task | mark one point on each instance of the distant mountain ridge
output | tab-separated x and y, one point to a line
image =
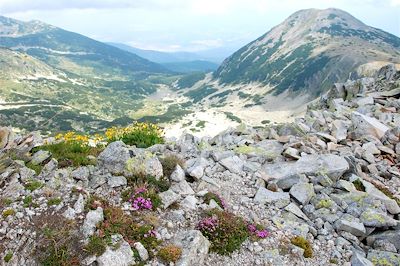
64	49
183	62
308	52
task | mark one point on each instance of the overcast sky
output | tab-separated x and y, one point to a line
187	25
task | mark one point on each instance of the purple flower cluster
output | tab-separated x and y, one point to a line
141	203
208	224
259	233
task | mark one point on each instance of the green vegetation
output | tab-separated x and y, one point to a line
33	184
225	231
117	222
54	201
173	113
8	256
169	253
189	80
232	117
59	241
359	185
169	163
36	168
199	94
8	212
28	201
201	124
213	196
141	135
70	153
96	245
4	202
304	244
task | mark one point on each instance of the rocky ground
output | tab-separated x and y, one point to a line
331	177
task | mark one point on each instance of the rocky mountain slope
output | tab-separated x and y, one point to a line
323	190
308	52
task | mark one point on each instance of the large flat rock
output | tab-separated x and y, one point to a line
328	164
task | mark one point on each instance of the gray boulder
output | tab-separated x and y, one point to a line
40	156
328	164
117	181
391	236
383	258
168	198
233	164
302	192
121	256
114	157
365	125
279	199
350	224
178	174
194	247
358	260
143	162
373	218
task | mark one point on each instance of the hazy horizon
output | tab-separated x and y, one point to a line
190	25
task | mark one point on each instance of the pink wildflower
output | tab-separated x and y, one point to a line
141	203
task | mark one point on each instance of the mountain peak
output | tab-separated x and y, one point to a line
10	27
308	52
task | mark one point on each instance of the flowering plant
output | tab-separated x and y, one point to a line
144	199
257	231
225	231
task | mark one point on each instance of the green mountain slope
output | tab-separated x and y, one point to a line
70	51
308	52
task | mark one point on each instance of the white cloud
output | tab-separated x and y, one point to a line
395	3
171	25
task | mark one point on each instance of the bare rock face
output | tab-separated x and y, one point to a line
194	247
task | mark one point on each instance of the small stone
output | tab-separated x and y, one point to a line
91	220
143	254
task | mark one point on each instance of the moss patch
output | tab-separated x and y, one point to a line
304	244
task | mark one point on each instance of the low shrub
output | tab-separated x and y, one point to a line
36	168
169	163
8	256
225	231
33	184
8	212
169	253
141	135
217	198
96	245
358	185
303	243
54	201
117	222
59	242
71	153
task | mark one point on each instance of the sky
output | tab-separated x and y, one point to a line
188	25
